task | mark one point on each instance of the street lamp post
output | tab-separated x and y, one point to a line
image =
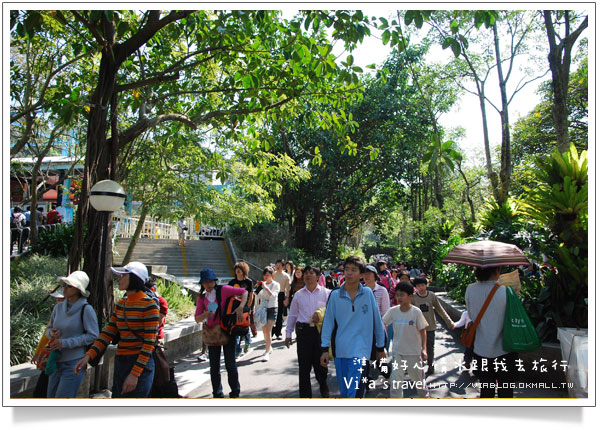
106	197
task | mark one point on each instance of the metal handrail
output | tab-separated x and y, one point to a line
231	247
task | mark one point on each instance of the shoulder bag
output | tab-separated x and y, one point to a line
161	365
468	334
215	336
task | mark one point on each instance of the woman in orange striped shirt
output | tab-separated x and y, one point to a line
135	320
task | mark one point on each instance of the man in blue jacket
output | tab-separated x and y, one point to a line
354	310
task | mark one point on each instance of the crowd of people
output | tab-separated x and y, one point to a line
365	317
20	223
356	314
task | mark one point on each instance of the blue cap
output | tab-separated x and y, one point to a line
207	275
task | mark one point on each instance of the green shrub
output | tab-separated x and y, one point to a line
559	203
55	242
180	305
32	278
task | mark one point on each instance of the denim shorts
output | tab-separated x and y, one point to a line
271	314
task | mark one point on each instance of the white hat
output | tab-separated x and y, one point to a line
77	279
135	267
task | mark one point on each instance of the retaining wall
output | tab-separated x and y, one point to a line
181	338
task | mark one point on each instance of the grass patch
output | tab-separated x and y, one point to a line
32	278
181	304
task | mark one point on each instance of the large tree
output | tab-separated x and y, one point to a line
481	52
218	69
389	129
560	65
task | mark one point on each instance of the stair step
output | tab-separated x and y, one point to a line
199	254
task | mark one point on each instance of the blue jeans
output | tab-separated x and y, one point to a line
349	372
123	366
214	357
238	342
64	383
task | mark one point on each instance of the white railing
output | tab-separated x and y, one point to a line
124	226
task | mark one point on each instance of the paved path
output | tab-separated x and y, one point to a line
278	378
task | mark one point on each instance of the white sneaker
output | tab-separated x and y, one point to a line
265	356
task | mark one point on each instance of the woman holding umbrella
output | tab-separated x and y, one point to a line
492	364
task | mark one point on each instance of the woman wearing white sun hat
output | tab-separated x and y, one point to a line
135	320
73	326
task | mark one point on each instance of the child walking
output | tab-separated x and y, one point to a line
409	347
428	303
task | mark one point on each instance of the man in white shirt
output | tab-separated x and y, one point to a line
306	302
181	227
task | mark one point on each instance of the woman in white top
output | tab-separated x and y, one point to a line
268	294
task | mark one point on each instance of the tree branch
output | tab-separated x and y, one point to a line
43	91
90	27
145	123
146	82
519	88
148	31
221	113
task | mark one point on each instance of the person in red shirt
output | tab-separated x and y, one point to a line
53	216
162	314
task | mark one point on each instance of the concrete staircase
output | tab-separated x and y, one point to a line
186	262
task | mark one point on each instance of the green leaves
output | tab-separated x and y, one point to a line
385	37
560	201
487	17
454	44
442	155
416	16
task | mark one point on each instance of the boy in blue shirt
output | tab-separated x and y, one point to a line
353	309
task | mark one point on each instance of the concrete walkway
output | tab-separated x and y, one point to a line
278	378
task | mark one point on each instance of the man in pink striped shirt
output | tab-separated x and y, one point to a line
304	304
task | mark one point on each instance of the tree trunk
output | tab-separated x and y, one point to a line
33	219
300	236
493	176
505	157
560	68
468	193
98	166
437	187
334	241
